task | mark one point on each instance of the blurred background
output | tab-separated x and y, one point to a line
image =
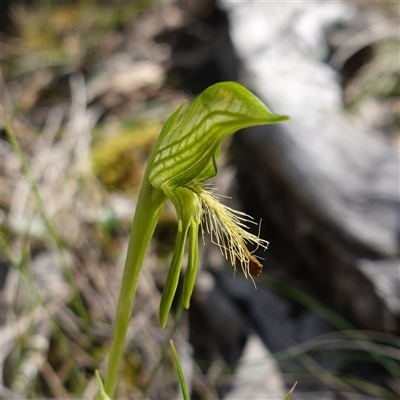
86	88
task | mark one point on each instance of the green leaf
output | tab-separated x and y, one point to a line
185	152
101	394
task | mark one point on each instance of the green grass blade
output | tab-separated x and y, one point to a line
101	394
290	392
179	369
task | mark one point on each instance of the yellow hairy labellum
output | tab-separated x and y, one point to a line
228	229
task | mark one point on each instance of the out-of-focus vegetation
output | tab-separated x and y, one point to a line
371	71
379	77
84	88
118	160
86	146
377	80
73	36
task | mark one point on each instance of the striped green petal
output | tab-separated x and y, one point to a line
188	151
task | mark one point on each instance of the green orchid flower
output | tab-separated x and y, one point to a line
183	159
186	157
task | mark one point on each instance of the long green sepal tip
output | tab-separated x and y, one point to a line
193	261
173	274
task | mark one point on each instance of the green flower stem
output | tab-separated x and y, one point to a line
149	206
150	203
